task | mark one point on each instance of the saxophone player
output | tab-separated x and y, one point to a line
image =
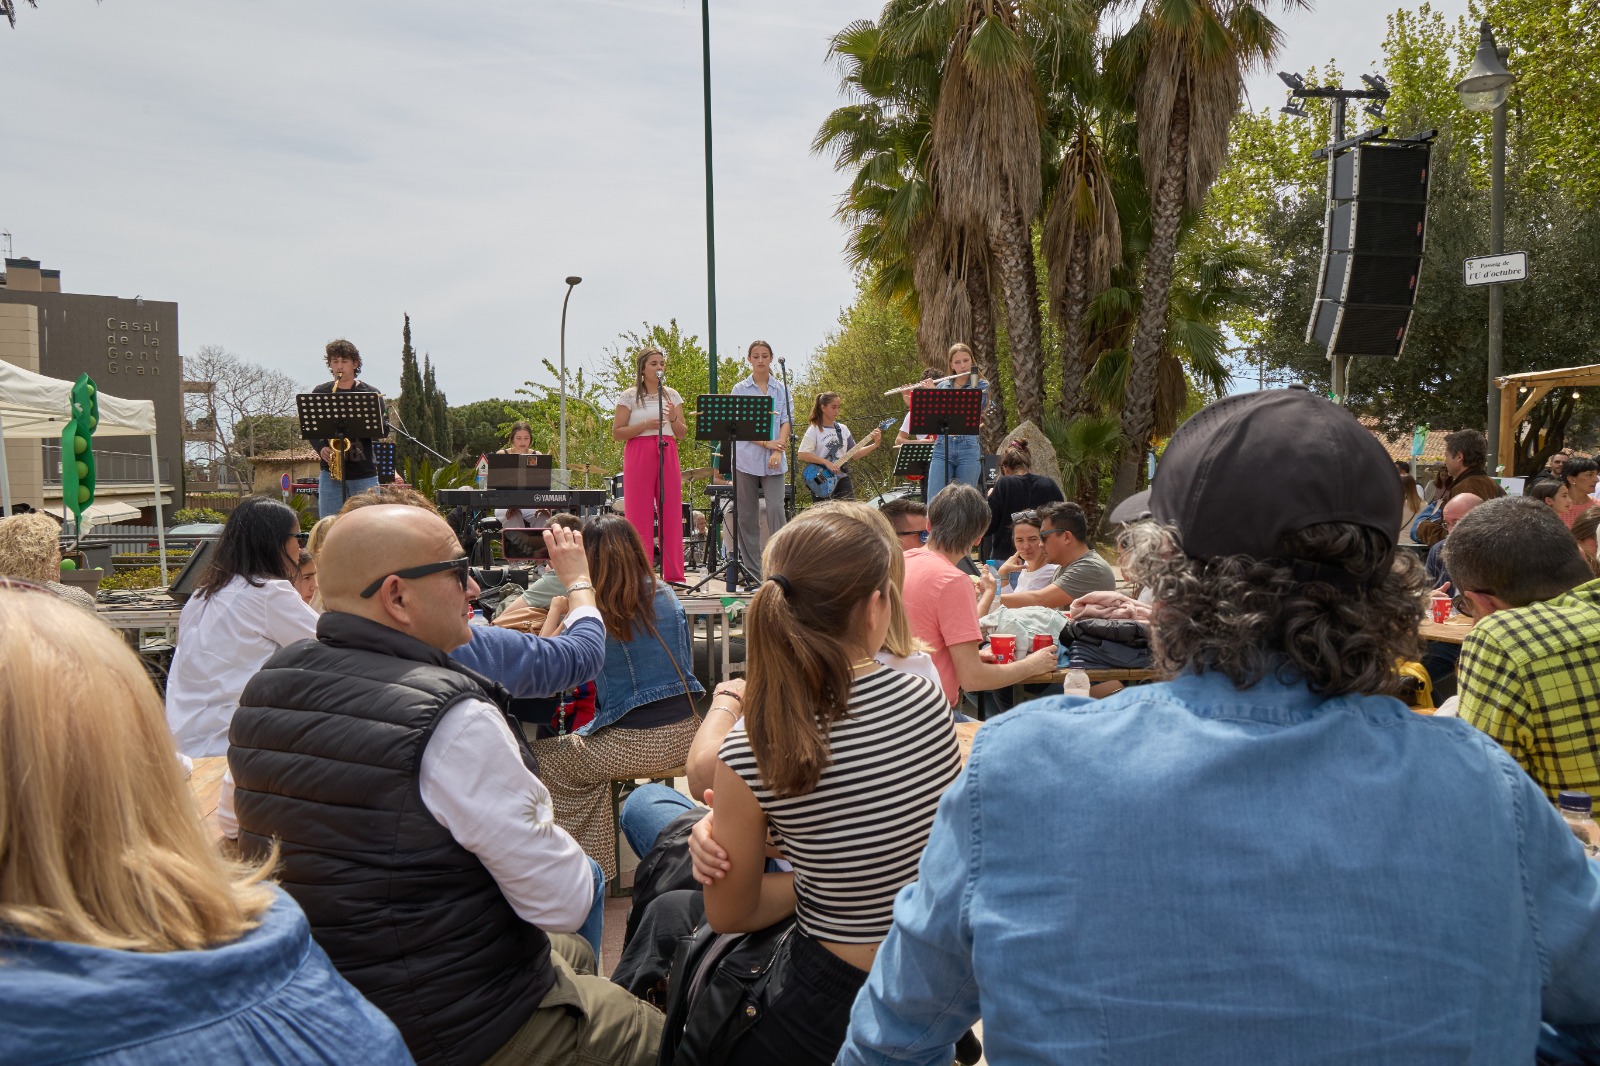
359	471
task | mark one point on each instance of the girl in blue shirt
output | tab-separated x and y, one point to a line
963	453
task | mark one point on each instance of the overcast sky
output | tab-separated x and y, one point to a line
295	171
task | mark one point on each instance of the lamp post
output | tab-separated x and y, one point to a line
571	281
1485	88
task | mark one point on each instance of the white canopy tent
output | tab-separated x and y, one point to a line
34	406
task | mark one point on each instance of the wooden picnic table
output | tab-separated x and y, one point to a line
1451	632
205	784
1056	677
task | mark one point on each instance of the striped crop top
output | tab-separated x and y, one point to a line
855	840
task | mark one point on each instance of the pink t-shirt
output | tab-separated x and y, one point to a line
942	607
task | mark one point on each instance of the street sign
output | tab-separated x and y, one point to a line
1496	269
1419	437
285	483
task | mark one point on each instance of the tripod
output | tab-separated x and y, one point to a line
727	418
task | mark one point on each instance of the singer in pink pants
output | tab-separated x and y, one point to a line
641	423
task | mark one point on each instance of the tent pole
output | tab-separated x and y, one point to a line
161	529
5	473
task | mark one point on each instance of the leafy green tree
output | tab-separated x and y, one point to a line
416	413
1184	62
485	426
438	420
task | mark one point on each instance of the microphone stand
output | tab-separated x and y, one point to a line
661	469
790	498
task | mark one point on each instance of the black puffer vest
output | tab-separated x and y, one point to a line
326	749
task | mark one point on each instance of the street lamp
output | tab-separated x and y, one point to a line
1485	88
571	281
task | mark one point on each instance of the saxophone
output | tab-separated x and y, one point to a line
337	448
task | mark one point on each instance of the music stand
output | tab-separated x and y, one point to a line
946	413
912	461
349	414
727	418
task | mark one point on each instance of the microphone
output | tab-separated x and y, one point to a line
661	375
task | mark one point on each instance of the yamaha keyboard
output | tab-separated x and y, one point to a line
542	499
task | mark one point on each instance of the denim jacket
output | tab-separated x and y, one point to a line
1186	872
638	671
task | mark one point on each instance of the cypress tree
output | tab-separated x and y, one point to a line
413	406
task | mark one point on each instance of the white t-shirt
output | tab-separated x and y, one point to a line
1037	579
918	665
648	411
223	639
831	443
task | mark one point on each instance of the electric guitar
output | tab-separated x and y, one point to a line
822	481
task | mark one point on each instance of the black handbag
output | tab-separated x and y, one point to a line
721	986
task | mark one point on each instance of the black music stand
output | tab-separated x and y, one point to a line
946	413
727	418
912	461
331	415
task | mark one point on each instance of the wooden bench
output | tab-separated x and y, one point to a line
621	789
205	785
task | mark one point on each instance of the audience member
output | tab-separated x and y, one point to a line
30	548
124	936
305	579
1554	467
819	715
1064	529
644	716
1017	489
1527	675
1584	528
414	831
942	604
1274	794
1411	504
1030	566
1454	511
909	519
1465	452
244	609
547	586
1552	493
1580	475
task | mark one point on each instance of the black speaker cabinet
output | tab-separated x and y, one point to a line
182	586
1372	250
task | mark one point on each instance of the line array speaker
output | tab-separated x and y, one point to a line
1372	250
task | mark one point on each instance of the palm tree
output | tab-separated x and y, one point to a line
984	155
1184	62
8	8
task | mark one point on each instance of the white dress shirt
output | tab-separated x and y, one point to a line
223	639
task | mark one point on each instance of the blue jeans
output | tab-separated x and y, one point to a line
966	463
647	811
590	929
331	493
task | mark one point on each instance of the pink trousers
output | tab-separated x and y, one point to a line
639	475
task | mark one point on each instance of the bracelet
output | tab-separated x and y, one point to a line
729	711
579	586
727	692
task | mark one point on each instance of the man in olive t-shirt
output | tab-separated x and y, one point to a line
1064	528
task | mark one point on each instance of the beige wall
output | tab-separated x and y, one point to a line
19	345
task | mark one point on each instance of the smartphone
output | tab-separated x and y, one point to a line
525	545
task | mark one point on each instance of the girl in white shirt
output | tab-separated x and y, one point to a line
650	435
1032	569
244	609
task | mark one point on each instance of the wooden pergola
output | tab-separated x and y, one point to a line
1539	383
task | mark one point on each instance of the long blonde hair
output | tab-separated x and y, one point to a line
899	640
830	561
100	841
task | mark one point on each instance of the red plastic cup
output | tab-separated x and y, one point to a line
1043	640
1441	609
1004	648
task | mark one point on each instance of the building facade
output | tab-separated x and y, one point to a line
129	347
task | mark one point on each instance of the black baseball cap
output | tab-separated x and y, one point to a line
1250	468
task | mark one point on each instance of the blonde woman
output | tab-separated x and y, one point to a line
124	935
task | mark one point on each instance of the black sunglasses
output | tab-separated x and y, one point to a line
460	566
1046	534
920	534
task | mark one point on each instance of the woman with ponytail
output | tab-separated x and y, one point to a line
1017	489
807	769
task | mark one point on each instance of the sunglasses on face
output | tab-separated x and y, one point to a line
920	534
1046	534
460	566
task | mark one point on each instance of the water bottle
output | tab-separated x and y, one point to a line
478	618
483	472
1076	683
1577	811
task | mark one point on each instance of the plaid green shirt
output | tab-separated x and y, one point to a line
1530	678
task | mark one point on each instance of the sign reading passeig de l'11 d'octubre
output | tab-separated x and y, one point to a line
1496	269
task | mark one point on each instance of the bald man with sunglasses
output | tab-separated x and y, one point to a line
412	828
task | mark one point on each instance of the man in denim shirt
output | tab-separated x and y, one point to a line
1268	858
